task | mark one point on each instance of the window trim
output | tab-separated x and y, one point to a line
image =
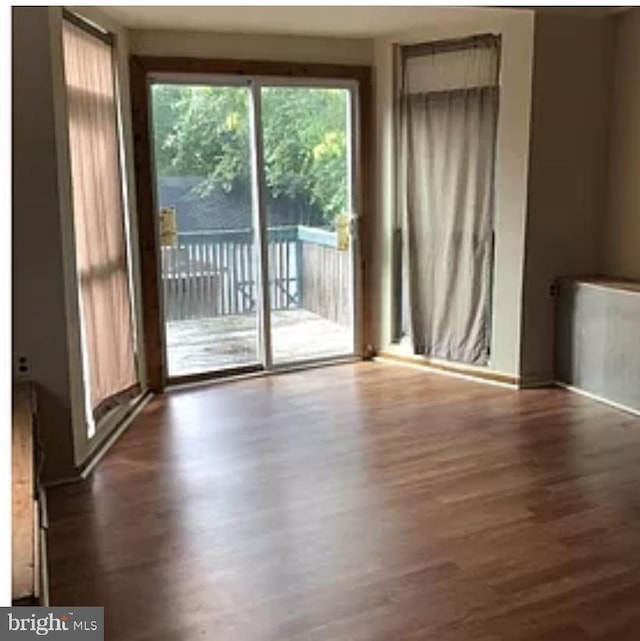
90	27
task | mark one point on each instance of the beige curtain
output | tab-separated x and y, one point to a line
99	223
449	106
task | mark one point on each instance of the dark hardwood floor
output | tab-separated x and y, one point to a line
362	502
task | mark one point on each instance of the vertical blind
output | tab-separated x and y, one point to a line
448	122
99	221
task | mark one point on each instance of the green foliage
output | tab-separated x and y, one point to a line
205	132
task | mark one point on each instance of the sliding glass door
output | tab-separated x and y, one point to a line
254	201
203	173
308	210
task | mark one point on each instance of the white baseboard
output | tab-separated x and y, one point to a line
106	445
595	397
66	480
424	366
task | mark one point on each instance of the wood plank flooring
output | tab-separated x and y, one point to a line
363	502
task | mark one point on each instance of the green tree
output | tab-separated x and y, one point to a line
205	132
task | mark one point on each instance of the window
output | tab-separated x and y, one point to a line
109	362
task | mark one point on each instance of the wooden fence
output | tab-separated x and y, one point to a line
213	274
326	282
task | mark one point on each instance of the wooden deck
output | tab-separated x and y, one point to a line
208	344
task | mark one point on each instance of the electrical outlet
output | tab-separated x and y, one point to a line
553	290
22	368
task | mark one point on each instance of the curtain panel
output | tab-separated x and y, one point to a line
448	122
99	221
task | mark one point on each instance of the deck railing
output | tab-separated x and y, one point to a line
209	274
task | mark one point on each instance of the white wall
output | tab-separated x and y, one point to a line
39	311
568	171
252	47
622	219
516	28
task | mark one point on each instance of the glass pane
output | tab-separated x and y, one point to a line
202	143
307	154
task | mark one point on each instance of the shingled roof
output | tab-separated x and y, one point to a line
222	210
